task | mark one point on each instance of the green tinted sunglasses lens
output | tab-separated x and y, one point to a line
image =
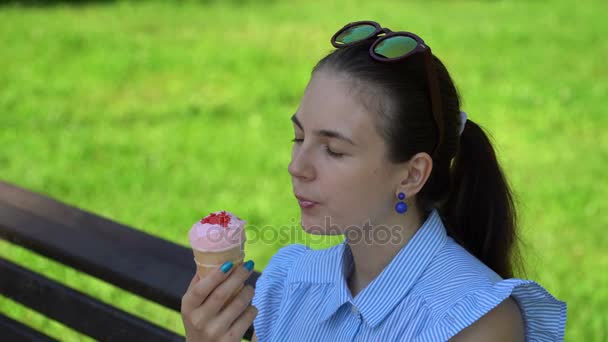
355	33
396	46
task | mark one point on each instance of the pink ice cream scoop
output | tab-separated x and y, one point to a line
218	232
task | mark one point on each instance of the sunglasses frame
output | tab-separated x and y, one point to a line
421	47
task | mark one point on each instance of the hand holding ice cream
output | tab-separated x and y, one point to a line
217	297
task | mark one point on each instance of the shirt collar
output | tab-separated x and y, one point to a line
380	296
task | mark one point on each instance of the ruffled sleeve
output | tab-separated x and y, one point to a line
270	287
544	315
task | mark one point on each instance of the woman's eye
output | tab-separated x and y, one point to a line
332	153
327	149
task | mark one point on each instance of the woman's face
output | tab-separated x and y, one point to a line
340	161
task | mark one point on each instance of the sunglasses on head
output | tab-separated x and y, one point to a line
391	47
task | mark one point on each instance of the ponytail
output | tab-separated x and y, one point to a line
480	210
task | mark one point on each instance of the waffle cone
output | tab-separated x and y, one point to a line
207	262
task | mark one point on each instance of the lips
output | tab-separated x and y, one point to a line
305	203
304	199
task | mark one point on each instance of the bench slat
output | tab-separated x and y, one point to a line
128	258
14	331
76	309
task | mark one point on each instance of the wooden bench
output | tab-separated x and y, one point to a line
140	263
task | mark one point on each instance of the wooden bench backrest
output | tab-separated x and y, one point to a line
143	264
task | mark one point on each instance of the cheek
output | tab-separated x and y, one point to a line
354	196
358	184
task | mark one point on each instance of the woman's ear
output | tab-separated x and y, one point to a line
418	170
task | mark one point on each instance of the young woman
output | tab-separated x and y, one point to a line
384	156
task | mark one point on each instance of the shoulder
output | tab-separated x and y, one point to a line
503	323
284	259
463	293
276	271
270	288
453	274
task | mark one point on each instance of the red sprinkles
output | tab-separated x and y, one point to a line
223	219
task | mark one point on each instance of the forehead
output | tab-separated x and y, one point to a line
329	102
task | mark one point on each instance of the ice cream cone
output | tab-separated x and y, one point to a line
217	238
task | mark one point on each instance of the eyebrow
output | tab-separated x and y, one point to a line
324	132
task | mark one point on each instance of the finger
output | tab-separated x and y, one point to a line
197	294
236	307
220	295
194	280
243	322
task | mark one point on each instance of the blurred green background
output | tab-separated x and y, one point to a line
155	113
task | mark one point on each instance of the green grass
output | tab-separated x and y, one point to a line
152	114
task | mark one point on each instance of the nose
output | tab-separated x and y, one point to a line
301	165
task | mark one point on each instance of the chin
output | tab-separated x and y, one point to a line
319	228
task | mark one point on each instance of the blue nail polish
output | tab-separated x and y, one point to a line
248	265
226	266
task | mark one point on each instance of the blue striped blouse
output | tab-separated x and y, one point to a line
432	289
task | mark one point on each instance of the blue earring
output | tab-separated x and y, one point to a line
401	207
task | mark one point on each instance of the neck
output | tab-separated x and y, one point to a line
371	257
